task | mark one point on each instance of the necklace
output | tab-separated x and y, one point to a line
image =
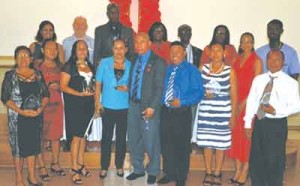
219	70
81	64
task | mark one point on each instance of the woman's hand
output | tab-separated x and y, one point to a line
86	93
29	113
122	88
98	109
54	86
209	95
232	122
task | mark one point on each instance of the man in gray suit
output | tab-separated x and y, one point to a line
146	88
107	33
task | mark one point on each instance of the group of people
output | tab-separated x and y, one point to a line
159	94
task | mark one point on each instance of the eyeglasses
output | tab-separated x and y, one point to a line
23	55
220	32
248	42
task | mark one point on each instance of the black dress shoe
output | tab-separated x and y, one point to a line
180	183
151	179
134	176
164	180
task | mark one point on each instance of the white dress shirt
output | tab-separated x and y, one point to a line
284	96
189	53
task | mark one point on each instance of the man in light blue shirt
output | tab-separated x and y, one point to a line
292	64
80	27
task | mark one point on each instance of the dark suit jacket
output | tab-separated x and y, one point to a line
197	52
104	40
153	81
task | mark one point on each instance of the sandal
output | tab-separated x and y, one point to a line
44	177
207	181
232	181
82	170
77	181
59	171
216	181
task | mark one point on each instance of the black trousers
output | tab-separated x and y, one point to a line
110	119
267	155
175	142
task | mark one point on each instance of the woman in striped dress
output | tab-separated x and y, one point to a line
216	112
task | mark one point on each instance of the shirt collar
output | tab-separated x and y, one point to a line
276	74
82	38
145	55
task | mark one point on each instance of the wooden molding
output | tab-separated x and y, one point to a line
6	58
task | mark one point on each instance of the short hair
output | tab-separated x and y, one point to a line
227	36
177	43
112	6
78	18
183	27
217	43
39	36
153	27
240	51
276	22
18	49
276	51
119	40
22	47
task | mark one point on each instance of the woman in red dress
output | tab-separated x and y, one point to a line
221	35
159	38
53	115
247	66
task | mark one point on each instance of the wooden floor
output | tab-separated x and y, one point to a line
195	179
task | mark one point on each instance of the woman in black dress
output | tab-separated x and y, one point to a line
25	94
76	76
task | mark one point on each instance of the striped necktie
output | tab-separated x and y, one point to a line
265	99
137	79
170	89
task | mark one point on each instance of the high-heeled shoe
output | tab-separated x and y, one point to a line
231	181
82	170
77	181
34	184
59	172
44	177
237	183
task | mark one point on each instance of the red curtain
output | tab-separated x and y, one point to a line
148	13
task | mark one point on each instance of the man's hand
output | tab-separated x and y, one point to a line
122	88
175	103
148	112
267	108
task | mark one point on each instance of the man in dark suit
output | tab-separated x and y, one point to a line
146	88
107	33
193	54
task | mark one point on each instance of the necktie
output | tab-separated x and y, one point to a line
137	79
265	99
170	89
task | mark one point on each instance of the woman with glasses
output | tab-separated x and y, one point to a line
221	35
25	94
